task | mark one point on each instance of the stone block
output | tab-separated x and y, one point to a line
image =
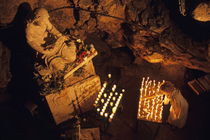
74	99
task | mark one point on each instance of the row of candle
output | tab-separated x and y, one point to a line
102	90
111	99
106	104
155	111
152	107
100	93
112	105
107	101
114	109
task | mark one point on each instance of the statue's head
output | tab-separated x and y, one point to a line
41	13
167	88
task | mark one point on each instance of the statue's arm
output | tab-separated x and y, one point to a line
37	47
53	30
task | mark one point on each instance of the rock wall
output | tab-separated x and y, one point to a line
202	12
4	66
150	28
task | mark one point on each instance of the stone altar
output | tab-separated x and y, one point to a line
74	99
63	68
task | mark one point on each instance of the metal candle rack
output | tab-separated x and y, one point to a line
150	101
108	100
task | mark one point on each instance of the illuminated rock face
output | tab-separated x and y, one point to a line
202	12
161	40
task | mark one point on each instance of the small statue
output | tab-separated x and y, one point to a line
58	56
48	42
179	106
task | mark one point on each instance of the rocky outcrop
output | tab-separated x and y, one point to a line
149	28
4	66
202	12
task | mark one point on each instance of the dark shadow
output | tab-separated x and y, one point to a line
198	31
21	86
16	122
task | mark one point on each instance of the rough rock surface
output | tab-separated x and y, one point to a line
202	12
4	66
149	28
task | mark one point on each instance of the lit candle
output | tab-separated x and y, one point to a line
114	109
147	80
105	95
149	93
105	84
143	79
106	114
152	105
111	116
154	84
101	113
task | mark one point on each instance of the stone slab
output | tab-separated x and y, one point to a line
74	99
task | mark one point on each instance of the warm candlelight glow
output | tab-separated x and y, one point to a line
106	114
108	101
150	101
109	75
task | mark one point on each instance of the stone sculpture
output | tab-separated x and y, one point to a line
179	106
54	48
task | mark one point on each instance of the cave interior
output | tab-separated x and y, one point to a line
134	39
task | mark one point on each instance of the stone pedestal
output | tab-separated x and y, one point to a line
79	91
74	99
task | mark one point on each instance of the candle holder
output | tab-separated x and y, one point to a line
108	100
150	101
